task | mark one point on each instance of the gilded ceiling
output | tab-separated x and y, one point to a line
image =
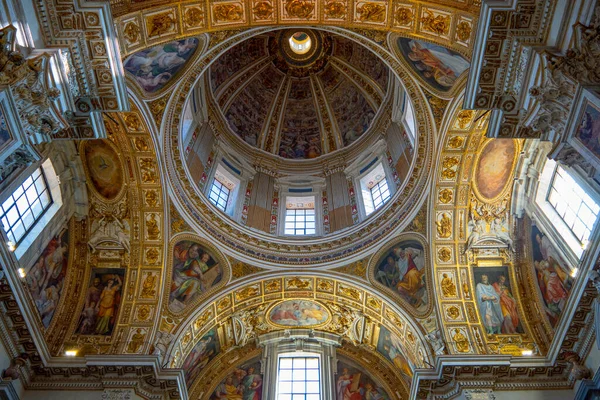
178	279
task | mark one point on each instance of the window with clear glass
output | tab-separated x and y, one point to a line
299	378
374	188
25	206
575	207
219	194
380	193
300	216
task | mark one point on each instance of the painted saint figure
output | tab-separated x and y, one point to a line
508	305
402	269
107	305
194	272
243	383
489	306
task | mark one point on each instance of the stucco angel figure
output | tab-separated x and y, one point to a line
501	229
476	229
109	229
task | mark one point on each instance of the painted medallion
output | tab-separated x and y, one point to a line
298	313
495	167
104	168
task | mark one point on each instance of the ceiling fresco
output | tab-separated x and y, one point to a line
154	68
247	84
438	67
444	269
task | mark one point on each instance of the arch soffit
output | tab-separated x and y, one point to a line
251	299
206	383
453	194
133	143
449	24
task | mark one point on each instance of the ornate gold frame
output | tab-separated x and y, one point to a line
270	321
219	256
386	247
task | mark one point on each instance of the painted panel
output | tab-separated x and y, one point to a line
45	279
103	167
5	135
203	352
195	271
553	278
102	302
153	68
355	384
498	308
244	383
436	65
588	128
390	346
300	313
300	130
494	167
402	269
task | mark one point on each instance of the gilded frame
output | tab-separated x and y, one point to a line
585	96
386	247
214	252
508	184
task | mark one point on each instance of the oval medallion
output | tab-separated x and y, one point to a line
495	167
299	313
103	167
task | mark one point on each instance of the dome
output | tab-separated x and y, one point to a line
299	93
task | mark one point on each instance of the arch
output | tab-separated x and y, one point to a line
449	25
459	253
237	315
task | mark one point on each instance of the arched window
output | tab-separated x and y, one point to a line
25	206
569	203
28	206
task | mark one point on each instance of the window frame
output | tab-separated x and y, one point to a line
360	188
282	212
292	394
582	201
222	189
555	227
236	196
378	187
10	234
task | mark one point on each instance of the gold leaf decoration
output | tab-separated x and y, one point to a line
159	24
335	10
437	24
262	10
193	17
371	12
404	16
228	12
131	32
299	8
463	30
